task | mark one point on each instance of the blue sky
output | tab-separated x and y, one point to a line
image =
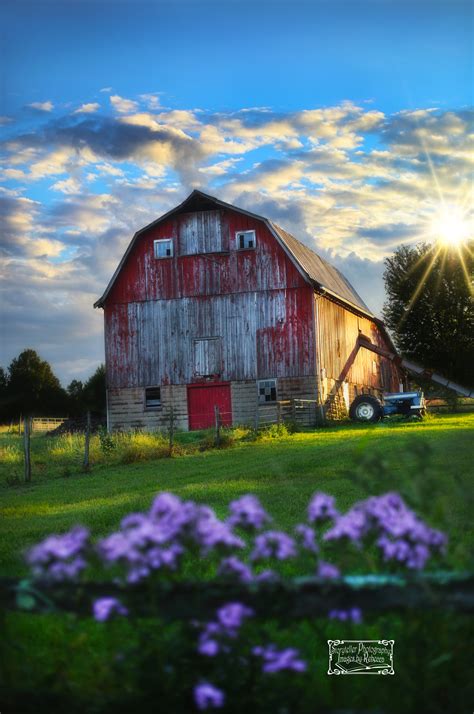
347	122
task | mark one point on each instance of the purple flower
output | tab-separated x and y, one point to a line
207	696
307	537
232	615
352	615
277	660
267	576
321	508
235	568
60	557
209	532
105	607
144	544
326	570
248	512
273	544
229	619
401	535
352	525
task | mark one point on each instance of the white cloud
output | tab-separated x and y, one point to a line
88	108
122	105
42	106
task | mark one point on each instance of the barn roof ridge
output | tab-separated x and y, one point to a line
316	270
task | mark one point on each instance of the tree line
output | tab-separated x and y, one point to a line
29	387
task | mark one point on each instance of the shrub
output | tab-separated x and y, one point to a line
160	544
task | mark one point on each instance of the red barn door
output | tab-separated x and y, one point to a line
201	401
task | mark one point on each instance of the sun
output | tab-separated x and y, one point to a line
451	227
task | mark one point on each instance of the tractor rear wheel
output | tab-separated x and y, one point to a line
365	407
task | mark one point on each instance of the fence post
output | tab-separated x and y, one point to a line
171	432
278	413
217	417
87	442
26	444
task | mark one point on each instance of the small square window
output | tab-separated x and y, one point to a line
163	248
152	398
267	391
245	240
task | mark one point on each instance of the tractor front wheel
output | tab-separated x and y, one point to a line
365	407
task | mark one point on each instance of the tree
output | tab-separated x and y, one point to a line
94	392
429	307
33	388
3	394
75	392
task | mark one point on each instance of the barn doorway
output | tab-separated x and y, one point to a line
201	401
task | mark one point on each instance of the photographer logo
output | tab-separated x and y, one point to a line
361	656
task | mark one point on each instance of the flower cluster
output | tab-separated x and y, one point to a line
105	607
215	635
400	535
321	508
156	540
306	537
278	660
207	696
273	544
248	512
60	557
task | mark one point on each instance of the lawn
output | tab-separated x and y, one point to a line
430	463
56	663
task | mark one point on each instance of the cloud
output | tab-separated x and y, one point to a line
122	105
350	181
42	106
88	108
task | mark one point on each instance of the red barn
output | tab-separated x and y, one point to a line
212	305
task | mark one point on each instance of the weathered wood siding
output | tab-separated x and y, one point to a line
262	335
337	333
220	269
254	300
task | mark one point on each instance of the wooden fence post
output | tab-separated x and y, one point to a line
26	444
278	413
171	431
217	417
86	464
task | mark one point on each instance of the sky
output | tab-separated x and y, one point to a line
349	123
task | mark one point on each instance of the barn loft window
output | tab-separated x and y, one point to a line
245	240
152	398
267	391
163	248
207	357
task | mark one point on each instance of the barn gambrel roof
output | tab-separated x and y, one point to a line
317	271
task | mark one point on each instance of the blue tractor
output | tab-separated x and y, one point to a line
366	407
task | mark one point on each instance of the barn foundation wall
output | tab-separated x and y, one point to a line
126	407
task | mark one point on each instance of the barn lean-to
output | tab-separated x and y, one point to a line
214	305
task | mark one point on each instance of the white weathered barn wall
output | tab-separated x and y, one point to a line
152	342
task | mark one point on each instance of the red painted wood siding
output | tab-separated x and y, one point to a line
264	268
255	300
201	402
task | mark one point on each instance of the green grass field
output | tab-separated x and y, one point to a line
57	663
431	463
